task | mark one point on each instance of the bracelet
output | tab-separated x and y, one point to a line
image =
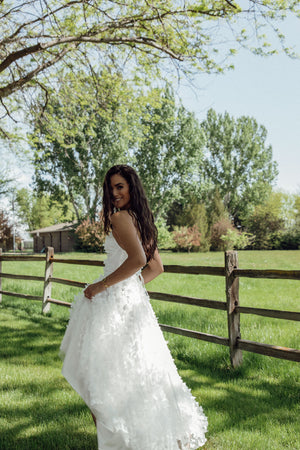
104	283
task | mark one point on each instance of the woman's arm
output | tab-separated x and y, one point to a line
154	268
126	236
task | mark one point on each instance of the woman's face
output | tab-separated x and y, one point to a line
120	192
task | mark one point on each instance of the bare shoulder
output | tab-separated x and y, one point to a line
126	234
121	218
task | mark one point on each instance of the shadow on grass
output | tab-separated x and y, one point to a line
31	417
245	398
241	398
37	334
47	427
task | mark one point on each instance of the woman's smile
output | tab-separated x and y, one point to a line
120	192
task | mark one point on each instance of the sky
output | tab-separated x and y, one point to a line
267	89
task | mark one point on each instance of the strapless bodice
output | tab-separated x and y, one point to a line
115	255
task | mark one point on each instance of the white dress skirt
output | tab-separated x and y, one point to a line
116	358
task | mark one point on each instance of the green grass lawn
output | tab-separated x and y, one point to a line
253	407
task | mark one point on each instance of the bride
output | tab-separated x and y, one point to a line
114	352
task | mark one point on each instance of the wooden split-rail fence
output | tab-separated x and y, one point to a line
232	306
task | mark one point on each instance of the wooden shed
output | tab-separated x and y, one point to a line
60	236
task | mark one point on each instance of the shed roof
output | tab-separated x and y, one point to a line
57	227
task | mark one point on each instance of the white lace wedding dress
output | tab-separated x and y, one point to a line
116	358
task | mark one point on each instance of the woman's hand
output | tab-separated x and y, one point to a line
93	289
126	235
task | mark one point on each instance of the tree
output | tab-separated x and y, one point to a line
284	205
275	223
289	212
195	215
297	208
266	223
169	152
40	211
164	236
190	213
83	131
37	36
6	232
6	173
5	182
238	162
216	210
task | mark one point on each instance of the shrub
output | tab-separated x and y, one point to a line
6	233
189	215
233	239
90	235
187	238
266	226
218	230
290	238
195	215
165	237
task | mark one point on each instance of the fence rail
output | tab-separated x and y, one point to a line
273	274
230	271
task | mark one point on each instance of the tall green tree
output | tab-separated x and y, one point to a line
290	238
5	181
40	211
7	164
216	210
238	162
169	153
84	130
194	214
297	208
38	36
285	206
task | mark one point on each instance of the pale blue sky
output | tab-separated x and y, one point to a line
267	89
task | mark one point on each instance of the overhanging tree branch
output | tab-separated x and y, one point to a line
16	85
152	29
80	39
39	19
135	21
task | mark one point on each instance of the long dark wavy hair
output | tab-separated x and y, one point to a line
139	207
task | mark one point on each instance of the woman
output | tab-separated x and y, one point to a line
114	352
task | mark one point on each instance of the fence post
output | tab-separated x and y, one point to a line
47	281
0	277
232	299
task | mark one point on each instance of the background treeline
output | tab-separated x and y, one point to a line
209	183
81	78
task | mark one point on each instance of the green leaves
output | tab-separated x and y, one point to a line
169	152
41	211
238	161
85	129
138	34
